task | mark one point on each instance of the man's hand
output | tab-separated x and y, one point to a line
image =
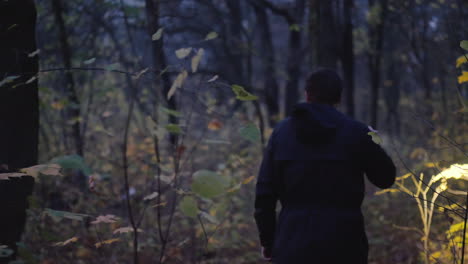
266	254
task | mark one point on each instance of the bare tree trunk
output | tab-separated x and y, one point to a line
153	10
348	56
270	84
65	49
326	35
295	56
376	36
19	115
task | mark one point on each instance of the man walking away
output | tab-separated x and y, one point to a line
314	165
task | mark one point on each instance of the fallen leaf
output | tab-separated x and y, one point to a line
151	196
124	230
215	124
109	241
249	179
66	242
107	219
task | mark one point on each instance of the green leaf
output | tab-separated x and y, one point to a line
208	184
59	215
173	128
464	44
158	34
75	162
171	112
375	137
295	27
250	132
90	61
188	206
211	35
242	94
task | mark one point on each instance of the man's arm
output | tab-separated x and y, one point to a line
266	197
378	166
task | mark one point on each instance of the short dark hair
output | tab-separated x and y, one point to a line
324	86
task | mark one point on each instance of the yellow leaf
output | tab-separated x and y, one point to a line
461	60
234	188
463	78
196	60
57	105
109	241
211	35
178	82
430	165
249	179
182	53
159	204
158	34
66	242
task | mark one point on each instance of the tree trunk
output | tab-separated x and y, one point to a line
19	115
270	84
295	57
159	62
65	49
326	38
376	35
348	56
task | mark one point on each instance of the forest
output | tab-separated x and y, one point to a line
132	131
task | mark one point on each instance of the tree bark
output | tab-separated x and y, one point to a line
19	115
159	62
270	84
326	34
295	57
74	112
348	56
376	36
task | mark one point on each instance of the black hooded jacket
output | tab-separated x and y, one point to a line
314	165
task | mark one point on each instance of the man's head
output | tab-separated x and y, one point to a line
324	86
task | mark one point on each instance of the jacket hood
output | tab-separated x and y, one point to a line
315	124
